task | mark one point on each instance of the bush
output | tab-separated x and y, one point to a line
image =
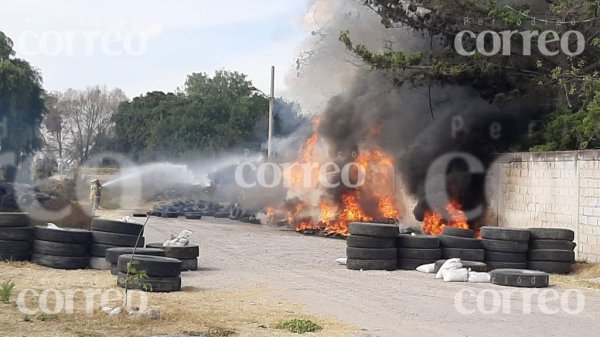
298	326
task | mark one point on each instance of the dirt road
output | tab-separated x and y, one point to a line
303	269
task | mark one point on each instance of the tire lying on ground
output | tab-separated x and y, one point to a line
464	254
504	234
473	265
41	247
193	216
60	262
552	244
121	240
355	264
16	233
371	253
153	265
99	263
430	255
551	234
459	232
185	252
14	219
459	242
189	264
552	267
505	246
119	227
99	250
150	284
412	264
66	235
112	254
418	241
551	255
358	241
519	278
374	229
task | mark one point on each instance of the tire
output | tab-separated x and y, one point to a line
420	254
552	234
505	265
519	278
459	242
189	264
114	269
505	246
10	219
119	227
193	216
552	244
15	247
464	254
371	253
221	215
99	263
389	265
14	257
477	266
412	264
67	235
156	284
374	230
505	257
459	232
99	250
60	262
41	247
187	252
114	239
112	254
418	241
169	215
358	241
551	267
505	234
153	265
16	233
552	255
236	213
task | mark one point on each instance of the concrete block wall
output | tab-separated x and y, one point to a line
554	190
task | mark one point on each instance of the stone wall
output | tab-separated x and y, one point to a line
554	189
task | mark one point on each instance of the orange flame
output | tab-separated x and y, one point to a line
434	223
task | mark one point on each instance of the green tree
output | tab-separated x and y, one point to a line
21	102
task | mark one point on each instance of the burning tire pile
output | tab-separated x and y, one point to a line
15	237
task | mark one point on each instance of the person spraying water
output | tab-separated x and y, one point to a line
95	193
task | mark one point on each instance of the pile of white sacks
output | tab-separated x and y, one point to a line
453	271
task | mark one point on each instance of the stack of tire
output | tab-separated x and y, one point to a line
188	255
112	255
461	243
417	250
505	248
108	234
372	246
162	274
65	248
551	250
15	237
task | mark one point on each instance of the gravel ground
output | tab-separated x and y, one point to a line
303	269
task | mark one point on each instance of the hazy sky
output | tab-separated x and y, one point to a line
144	45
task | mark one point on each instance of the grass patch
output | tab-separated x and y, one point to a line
6	290
46	317
298	326
584	275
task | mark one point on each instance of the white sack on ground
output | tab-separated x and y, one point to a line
448	265
456	275
427	268
181	240
342	261
475	277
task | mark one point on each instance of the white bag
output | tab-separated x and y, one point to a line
475	277
456	275
342	261
448	265
427	268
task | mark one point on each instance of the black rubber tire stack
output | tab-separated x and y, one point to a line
163	273
519	278
65	248
551	250
372	246
461	243
15	237
188	255
505	248
112	255
417	250
108	234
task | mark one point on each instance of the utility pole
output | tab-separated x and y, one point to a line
271	103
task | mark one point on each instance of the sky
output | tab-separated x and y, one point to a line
147	45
